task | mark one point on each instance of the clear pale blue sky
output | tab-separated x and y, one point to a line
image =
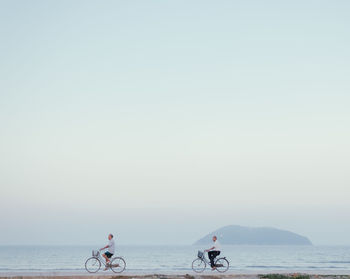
163	120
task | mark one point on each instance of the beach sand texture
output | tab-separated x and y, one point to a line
163	276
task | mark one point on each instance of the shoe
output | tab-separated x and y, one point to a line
107	266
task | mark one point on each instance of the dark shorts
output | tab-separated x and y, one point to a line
108	255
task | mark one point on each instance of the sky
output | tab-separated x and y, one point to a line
161	121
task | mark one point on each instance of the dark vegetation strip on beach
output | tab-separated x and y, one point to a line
284	276
302	276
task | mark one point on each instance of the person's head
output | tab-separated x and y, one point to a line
110	236
214	238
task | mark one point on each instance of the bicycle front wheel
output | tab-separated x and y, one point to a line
92	265
222	265
118	265
198	265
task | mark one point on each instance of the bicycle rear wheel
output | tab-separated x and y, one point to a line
198	265
222	265
92	265
118	265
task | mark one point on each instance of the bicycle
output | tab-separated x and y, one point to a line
93	264
198	265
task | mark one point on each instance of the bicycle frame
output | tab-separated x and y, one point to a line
221	264
205	259
93	264
102	259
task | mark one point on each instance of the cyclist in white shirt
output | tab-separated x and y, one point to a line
214	251
110	250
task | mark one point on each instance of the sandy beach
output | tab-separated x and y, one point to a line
60	275
151	276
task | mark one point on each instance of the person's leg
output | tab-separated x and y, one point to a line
109	255
215	254
106	259
211	258
106	256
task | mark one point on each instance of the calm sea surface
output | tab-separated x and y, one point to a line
144	259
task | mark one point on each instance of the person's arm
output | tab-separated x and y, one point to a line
212	248
104	247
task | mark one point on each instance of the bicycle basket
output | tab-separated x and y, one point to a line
95	253
200	254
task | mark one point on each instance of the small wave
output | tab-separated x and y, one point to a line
325	267
334	262
267	266
294	267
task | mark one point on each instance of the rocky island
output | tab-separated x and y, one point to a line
239	235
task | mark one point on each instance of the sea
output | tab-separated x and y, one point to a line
178	259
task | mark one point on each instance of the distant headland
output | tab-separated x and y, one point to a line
238	235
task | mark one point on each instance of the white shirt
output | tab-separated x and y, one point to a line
216	246
111	246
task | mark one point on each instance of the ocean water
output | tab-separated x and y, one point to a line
172	259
